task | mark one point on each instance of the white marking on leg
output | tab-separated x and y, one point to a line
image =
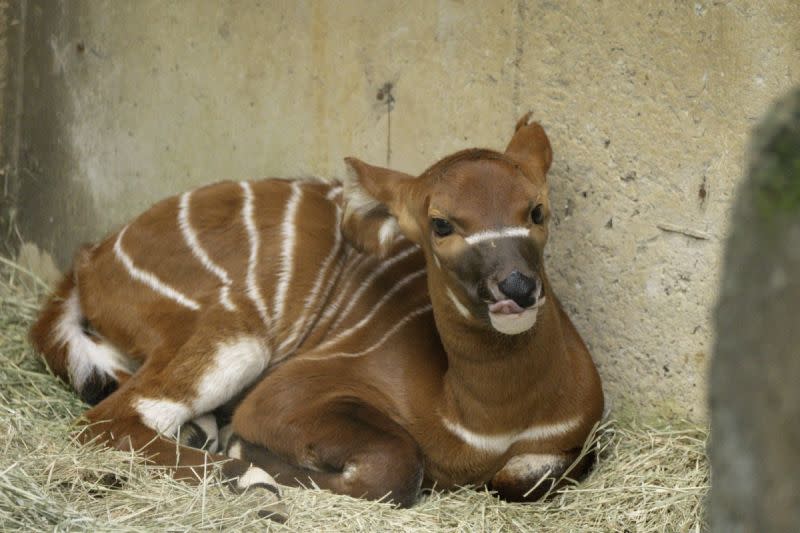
208	424
287	251
313	294
235	450
163	416
255	476
386	297
253	290
367	283
85	355
190	236
149	279
394	329
529	465
236	364
503	233
459	306
500	443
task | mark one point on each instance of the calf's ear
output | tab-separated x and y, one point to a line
530	147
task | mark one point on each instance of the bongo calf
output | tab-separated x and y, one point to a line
418	336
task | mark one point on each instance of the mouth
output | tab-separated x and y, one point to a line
508	317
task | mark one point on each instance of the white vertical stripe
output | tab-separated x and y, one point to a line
190	236
344	291
287	251
313	294
386	297
150	279
253	290
503	233
382	267
383	339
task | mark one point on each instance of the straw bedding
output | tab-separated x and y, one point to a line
647	478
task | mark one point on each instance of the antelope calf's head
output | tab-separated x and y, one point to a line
480	216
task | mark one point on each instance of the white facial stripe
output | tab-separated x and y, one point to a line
236	364
501	443
163	416
287	251
503	233
461	308
190	236
394	329
85	355
150	279
253	290
382	267
313	295
386	297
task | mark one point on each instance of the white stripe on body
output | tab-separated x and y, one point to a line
253	290
85	355
344	292
386	297
518	231
287	252
405	320
382	267
150	279
461	308
190	236
313	294
502	442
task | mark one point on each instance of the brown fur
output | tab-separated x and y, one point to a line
356	406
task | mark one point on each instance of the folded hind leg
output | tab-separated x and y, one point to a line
221	358
343	447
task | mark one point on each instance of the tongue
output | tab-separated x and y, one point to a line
505	307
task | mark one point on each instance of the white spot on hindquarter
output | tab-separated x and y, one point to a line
85	355
237	363
367	283
150	279
500	443
459	306
255	476
253	290
163	416
287	251
504	233
190	236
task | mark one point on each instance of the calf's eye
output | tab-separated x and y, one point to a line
537	214
441	227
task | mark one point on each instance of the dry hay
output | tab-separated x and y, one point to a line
647	478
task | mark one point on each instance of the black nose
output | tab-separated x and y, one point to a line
520	288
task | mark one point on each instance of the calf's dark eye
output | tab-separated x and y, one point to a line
537	214
441	227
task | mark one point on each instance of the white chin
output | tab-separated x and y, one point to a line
514	324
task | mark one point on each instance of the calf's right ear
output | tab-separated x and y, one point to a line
376	213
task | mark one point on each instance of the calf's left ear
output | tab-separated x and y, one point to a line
376	213
530	146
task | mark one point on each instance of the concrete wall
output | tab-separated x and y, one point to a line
647	104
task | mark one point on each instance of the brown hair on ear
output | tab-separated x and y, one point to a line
530	145
369	193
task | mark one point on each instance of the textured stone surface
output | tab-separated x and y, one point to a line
647	105
755	375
